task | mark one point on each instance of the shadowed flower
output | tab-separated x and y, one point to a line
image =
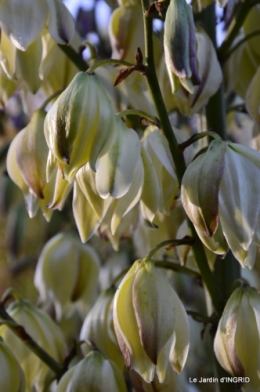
220	195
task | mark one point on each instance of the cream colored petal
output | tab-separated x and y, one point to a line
247	341
8	57
23	21
154	309
200	188
150	197
28	63
86	219
97	328
86	179
125	29
104	137
128	201
61	23
56	191
31	153
127	330
224	343
57	255
217	243
116	169
162	151
181	342
238	200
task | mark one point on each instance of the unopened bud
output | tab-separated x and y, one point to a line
79	127
180	43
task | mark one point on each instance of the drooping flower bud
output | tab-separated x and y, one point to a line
66	274
125	29
220	195
26	161
79	127
45	333
158	193
210	74
26	165
98	328
31	153
150	322
180	44
93	373
11	376
237	341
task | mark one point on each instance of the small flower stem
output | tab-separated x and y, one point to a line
20	332
177	155
239	108
50	98
101	63
241	42
92	49
174	266
201	318
170	244
196	137
140	113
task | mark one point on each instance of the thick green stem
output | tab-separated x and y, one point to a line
75	57
20	332
177	155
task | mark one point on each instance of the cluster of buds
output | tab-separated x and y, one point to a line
219	193
21	42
